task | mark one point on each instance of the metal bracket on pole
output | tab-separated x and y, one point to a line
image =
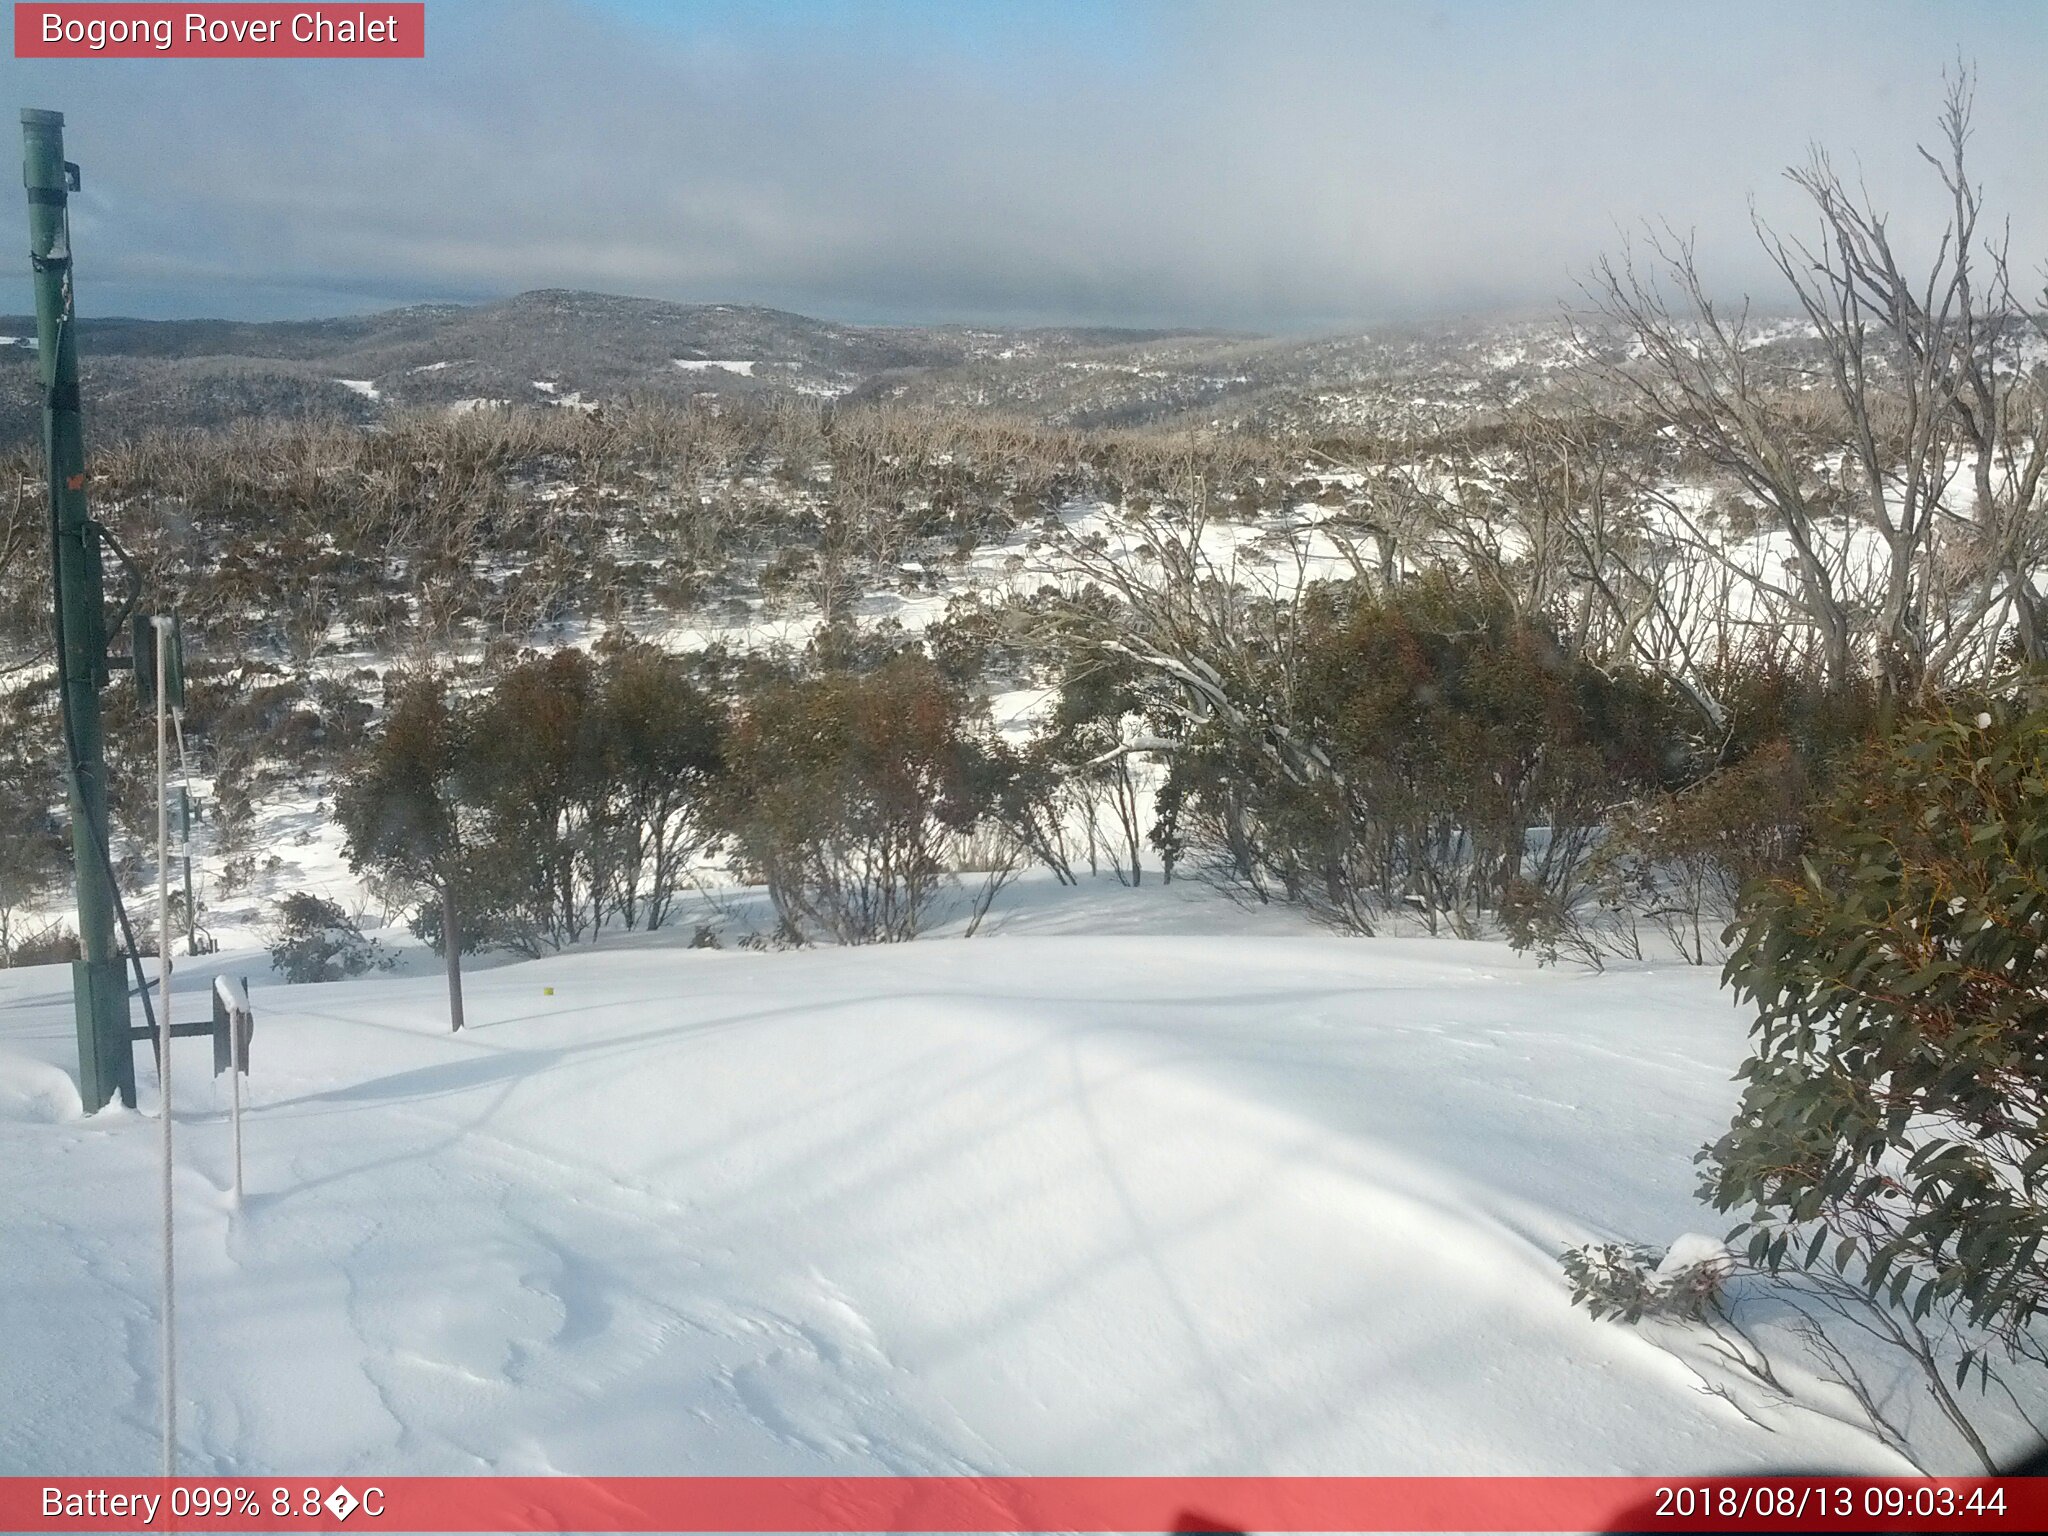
146	633
230	1031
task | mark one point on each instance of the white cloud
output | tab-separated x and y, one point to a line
1255	165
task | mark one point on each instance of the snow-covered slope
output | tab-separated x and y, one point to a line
1138	1184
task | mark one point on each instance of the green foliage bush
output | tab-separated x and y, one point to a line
1891	1126
400	803
1680	860
1631	1282
566	795
589	778
846	792
1449	729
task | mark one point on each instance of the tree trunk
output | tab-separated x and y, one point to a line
451	948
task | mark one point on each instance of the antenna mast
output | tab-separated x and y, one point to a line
106	1059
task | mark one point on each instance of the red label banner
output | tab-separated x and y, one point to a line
82	29
1004	1504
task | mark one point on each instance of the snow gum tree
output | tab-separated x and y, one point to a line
401	806
1441	728
1908	484
1085	738
537	776
847	791
659	750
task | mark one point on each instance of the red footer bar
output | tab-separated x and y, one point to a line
1004	1504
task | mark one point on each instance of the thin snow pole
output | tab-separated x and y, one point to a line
163	1046
237	1065
231	1012
185	818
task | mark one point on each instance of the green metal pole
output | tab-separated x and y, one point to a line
106	1057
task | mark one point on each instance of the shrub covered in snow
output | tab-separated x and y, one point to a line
1630	1282
316	941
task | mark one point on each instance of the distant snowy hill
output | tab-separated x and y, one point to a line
552	342
574	348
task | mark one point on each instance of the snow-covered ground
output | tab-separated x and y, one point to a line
1133	1182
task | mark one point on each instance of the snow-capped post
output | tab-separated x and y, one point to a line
451	944
235	1089
185	849
234	1021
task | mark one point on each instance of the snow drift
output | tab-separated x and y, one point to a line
1055	1201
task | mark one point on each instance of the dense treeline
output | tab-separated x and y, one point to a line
435	529
574	791
1428	758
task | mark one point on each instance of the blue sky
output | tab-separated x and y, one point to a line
1265	164
997	32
